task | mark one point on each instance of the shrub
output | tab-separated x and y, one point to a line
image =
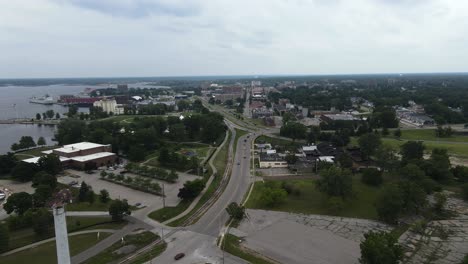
465	191
371	176
335	205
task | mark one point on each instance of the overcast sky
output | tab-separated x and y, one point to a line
111	38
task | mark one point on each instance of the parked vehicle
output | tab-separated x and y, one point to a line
179	256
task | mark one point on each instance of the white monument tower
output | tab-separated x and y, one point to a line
60	223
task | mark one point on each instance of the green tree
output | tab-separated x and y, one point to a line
236	211
386	157
72	110
412	172
4	238
345	160
397	133
191	189
26	142
50	113
293	130
118	209
41	141
83	193
335	182
24	171
7	163
38	116
412	150
104	196
183	105
136	153
390	204
57	115
291	159
371	176
50	163
414	196
172	176
271	197
380	248
18	202
41	195
439	165
70	131
369	143
42	222
440	202
44	178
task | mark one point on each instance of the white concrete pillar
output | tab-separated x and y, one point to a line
61	235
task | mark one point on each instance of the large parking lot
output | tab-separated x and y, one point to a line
296	238
117	191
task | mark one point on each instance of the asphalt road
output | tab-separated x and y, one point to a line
215	218
198	241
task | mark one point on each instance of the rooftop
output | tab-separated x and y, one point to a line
36	159
92	156
78	146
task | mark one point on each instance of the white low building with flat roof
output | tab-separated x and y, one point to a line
79	154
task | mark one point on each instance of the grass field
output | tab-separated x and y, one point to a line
429	134
454	148
109	255
169	212
287	144
26	236
46	253
231	245
311	201
33	152
452	144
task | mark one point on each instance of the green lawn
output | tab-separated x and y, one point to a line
454	148
78	223
109	256
26	236
231	245
312	201
287	144
169	212
429	134
34	152
46	253
85	206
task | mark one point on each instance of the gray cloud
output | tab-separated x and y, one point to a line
62	38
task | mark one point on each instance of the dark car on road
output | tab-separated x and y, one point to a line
179	256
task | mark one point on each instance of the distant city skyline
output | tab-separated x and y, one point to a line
124	38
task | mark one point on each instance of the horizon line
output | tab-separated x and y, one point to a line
234	75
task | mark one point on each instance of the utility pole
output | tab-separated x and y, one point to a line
163	196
